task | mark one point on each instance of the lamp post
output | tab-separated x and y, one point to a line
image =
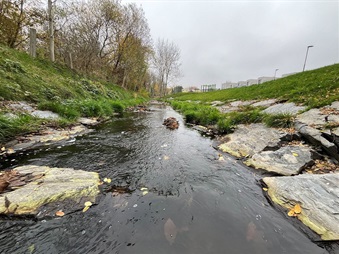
275	73
310	46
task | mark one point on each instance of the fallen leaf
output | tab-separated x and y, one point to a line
60	213
3	149
10	151
295	154
170	231
88	203
144	193
265	189
166	158
85	208
297	208
291	212
221	158
143	189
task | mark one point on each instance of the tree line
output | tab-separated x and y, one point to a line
104	38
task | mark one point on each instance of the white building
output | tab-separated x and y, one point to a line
264	79
251	82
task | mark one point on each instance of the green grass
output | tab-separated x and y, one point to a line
57	88
198	113
11	127
314	88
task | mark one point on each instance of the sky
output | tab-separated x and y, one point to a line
239	40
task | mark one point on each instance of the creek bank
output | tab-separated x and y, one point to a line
46	190
304	157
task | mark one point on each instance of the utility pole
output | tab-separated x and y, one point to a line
310	46
275	73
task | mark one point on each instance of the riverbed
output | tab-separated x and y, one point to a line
182	198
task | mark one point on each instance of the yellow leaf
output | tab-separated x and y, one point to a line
144	193
221	158
107	180
88	203
3	148
85	209
297	208
291	213
143	189
295	154
265	189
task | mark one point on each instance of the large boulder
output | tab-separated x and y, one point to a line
171	123
317	196
288	160
49	185
248	140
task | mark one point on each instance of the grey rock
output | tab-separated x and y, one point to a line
22	106
227	109
288	160
318	197
284	108
312	117
54	185
248	140
265	103
45	114
241	103
88	121
315	137
335	105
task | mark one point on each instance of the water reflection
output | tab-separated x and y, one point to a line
195	203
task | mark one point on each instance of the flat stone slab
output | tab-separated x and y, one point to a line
315	137
265	103
50	185
318	196
88	121
317	118
248	140
288	160
284	108
48	137
45	114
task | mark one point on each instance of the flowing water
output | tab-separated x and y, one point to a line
195	203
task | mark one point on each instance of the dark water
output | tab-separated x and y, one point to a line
196	204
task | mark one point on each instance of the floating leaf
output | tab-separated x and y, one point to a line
107	180
170	231
295	154
265	189
60	213
144	193
143	189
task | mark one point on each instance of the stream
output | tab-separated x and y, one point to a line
193	204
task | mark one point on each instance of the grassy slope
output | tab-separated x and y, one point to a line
24	78
312	88
53	87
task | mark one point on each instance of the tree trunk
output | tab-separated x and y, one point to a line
51	30
32	42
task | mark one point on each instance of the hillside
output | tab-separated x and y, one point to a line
50	86
312	88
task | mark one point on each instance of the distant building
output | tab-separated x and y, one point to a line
264	79
208	88
242	83
251	82
228	85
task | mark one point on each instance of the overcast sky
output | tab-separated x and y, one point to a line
239	40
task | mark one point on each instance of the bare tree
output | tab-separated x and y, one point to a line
166	63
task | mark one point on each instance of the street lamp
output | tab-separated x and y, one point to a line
311	46
275	73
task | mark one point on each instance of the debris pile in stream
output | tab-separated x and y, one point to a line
171	123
